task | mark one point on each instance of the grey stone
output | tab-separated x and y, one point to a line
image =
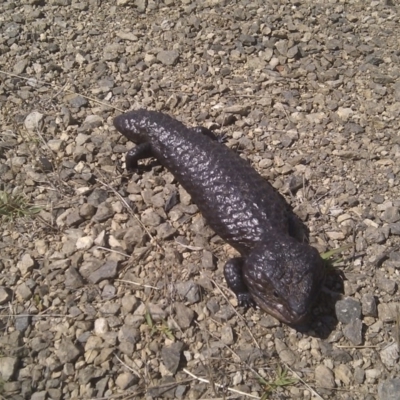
247	40
368	305
41	395
387	285
189	290
86	211
213	305
23	291
268	321
82	138
93	343
54	393
18	162
184	196
180	391
158	200
8	367
168	57
134	236
67	351
241	109
344	113
166	388
375	235
74	218
125	380
33	121
353	331
84	243
389	389
324	377
390	355
171	356
353	127
395	256
12	388
5	294
391	215
26	264
141	5
129	303
80	5
343	373
55	144
38	344
20	66
106	271
73	278
286	355
93	121
359	375
128	36
108	292
77	101
382	79
128	333
97	197
388	311
103	213
208	260
127	348
184	315
395	228
293	52
157	313
22	322
172	256
111	52
90	373
110	308
333	44
225	313
347	310
282	47
150	218
165	231
227	336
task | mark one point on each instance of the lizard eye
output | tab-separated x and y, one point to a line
276	295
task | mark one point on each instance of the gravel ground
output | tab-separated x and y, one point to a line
114	288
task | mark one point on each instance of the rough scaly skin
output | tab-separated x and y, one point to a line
275	270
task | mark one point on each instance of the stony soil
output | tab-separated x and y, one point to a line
115	288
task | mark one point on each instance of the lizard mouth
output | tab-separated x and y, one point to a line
279	311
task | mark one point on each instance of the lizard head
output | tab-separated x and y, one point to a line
284	277
133	125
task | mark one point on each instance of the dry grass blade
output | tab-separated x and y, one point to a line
222	386
137	373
